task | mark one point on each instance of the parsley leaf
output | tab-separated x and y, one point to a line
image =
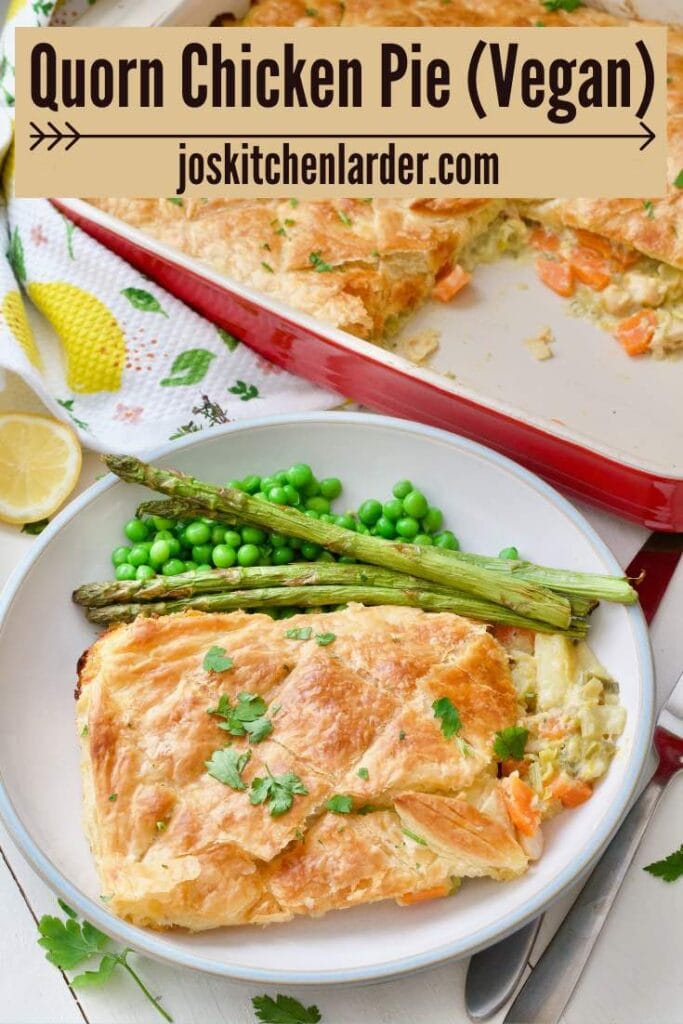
444	709
246	718
414	836
304	633
562	5
368	809
216	660
278	790
284	1010
339	804
33	529
668	869
344	218
98	977
363	773
323	639
69	943
649	208
318	263
227	766
678	180
509	743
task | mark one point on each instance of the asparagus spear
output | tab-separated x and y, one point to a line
527	599
212	581
320	596
582	589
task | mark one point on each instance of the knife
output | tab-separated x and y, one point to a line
493	974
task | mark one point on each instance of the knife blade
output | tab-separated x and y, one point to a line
494	973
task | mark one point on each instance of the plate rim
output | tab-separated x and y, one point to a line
151	943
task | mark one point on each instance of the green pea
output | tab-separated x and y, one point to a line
295	543
310	489
432	520
248	554
447	540
164	535
281	477
232	538
251	483
190	566
139	555
327	517
120	555
135	530
385	528
318	504
173	567
407	527
144	572
267	482
217	534
402	489
330	487
512	553
266	558
370	511
159	552
223	556
236	485
423	539
310	551
174	546
393	510
362	528
197	533
293	496
347	521
283	555
252	535
125	571
163	524
312	514
277	540
347	560
325	556
204	567
201	553
415	505
299	475
277	495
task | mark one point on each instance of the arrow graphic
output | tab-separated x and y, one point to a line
71	136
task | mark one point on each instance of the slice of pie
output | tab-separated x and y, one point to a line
365	265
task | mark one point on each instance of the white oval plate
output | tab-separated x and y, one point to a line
490	503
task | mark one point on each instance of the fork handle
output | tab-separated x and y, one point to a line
549	987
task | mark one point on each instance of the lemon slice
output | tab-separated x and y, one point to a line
40	460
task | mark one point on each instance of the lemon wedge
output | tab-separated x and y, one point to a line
40	460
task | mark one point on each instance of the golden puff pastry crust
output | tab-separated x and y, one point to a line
176	847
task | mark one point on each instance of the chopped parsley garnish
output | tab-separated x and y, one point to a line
113	797
247	718
402	735
318	263
33	529
311	12
363	773
649	208
668	869
562	5
340	804
227	765
161	826
678	180
414	836
323	639
294	203
216	660
267	266
176	200
444	709
278	791
367	809
509	743
344	218
304	633
284	1010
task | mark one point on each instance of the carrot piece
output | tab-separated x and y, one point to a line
590	269
450	284
556	274
636	332
623	255
570	792
435	893
510	766
546	241
520	801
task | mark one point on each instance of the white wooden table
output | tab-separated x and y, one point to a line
634	976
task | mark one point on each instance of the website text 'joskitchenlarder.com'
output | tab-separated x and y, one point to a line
278	164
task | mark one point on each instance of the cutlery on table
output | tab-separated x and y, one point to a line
494	974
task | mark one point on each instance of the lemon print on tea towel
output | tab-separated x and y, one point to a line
93	341
14	315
